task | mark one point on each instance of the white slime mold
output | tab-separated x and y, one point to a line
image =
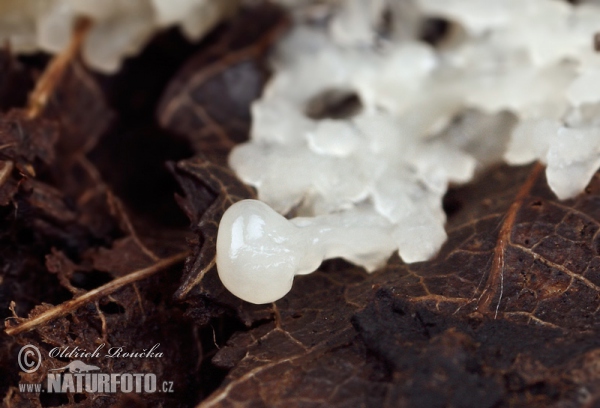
511	80
259	251
121	27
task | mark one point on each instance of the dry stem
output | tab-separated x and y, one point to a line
93	295
56	69
5	171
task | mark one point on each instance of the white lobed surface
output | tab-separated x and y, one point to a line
121	27
515	80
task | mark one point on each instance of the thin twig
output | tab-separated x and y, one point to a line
56	69
93	295
180	294
5	171
103	320
495	279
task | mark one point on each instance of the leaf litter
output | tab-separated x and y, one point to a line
505	315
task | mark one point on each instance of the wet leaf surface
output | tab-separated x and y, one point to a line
423	335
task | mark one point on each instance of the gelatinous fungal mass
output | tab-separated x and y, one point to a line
120	27
360	132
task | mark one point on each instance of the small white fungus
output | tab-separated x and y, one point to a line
515	81
121	27
259	251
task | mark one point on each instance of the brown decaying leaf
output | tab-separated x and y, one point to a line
15	82
209	100
24	325
505	315
136	317
200	179
64	119
47	85
58	207
205	183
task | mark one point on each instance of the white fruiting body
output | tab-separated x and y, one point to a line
512	80
121	27
259	251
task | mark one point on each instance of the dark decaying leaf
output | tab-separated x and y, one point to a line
506	314
209	100
209	190
137	317
24	139
63	233
53	143
15	82
79	106
36	214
